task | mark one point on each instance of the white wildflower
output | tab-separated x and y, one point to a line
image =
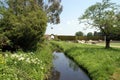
42	67
28	60
21	58
33	60
41	62
6	55
15	62
31	53
14	56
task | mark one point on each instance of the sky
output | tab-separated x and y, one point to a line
69	24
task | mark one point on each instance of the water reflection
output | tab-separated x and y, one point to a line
66	69
73	65
55	75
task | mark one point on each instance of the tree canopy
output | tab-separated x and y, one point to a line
53	8
23	24
104	16
98	33
79	33
89	34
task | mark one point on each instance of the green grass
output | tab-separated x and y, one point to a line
112	44
101	64
26	66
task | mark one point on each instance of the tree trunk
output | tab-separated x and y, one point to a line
107	43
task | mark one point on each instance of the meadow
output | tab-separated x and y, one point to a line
100	63
26	65
112	44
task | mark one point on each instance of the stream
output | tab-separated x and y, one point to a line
65	69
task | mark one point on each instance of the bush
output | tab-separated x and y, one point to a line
24	27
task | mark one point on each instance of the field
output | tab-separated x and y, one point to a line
26	66
112	44
100	63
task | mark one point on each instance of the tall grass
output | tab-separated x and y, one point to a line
26	66
101	64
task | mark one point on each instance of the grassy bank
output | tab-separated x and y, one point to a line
101	64
26	66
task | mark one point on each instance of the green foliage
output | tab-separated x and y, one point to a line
98	33
4	40
89	34
79	33
26	66
103	16
65	38
73	38
24	25
24	21
53	8
100	63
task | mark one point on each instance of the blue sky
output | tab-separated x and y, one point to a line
72	10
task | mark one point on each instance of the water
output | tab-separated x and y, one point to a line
66	69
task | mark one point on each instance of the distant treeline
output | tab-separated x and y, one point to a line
72	38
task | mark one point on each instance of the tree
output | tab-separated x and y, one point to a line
53	8
24	25
104	16
23	22
98	33
79	33
89	34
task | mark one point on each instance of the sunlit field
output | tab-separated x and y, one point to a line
112	44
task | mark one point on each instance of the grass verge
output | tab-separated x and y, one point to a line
101	64
26	66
